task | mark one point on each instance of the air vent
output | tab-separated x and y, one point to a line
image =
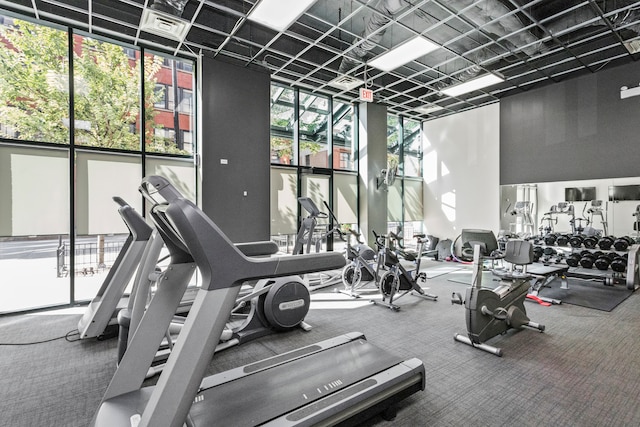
164	25
428	109
633	46
346	82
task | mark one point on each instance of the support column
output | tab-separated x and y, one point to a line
372	159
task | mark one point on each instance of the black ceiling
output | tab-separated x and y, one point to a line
529	43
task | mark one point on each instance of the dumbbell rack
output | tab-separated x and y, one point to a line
631	277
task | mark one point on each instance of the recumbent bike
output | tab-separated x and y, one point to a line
492	312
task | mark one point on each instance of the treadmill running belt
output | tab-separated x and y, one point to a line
268	394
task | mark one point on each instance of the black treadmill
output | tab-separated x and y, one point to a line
343	380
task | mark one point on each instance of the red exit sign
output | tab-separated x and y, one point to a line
366	95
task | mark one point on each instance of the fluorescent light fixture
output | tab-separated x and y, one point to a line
406	52
164	24
471	85
278	14
428	109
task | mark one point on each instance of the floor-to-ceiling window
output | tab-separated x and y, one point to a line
404	199
82	119
313	150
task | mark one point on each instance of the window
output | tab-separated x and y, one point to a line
185	97
313	121
393	142
34	82
98	154
412	148
167	85
344	141
161	97
282	125
106	94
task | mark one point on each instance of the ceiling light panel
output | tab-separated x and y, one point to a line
278	14
471	85
401	54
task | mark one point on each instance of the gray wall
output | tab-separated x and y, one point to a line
577	129
372	143
235	128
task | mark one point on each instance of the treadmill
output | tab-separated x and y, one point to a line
103	308
343	380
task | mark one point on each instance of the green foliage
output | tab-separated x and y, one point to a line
34	90
33	104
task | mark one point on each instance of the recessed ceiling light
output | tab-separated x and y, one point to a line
471	85
401	54
278	14
428	109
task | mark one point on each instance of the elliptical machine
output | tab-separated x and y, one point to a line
491	312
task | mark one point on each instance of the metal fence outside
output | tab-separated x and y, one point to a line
90	258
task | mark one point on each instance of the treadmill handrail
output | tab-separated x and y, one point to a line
158	184
214	252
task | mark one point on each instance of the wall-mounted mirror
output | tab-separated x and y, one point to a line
610	206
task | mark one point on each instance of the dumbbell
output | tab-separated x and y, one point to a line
537	253
573	260
575	241
623	243
602	261
550	239
548	253
605	243
590	242
562	240
587	259
619	264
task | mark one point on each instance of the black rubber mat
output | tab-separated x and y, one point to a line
588	294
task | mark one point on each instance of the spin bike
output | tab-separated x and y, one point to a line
364	264
398	281
491	312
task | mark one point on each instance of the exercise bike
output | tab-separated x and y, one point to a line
364	264
491	312
398	281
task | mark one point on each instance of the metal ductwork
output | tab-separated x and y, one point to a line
388	8
578	19
490	14
172	7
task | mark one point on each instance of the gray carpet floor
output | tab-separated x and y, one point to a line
581	371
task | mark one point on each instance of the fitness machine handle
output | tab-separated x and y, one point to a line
120	201
140	230
221	264
258	248
158	185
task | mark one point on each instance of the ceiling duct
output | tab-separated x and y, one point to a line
172	7
492	15
387	8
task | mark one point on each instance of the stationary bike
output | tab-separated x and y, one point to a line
398	281
491	312
364	264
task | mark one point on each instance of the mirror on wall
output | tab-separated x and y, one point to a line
610	206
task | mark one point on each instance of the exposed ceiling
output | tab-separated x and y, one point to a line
529	43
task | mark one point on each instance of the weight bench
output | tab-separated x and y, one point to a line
543	275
